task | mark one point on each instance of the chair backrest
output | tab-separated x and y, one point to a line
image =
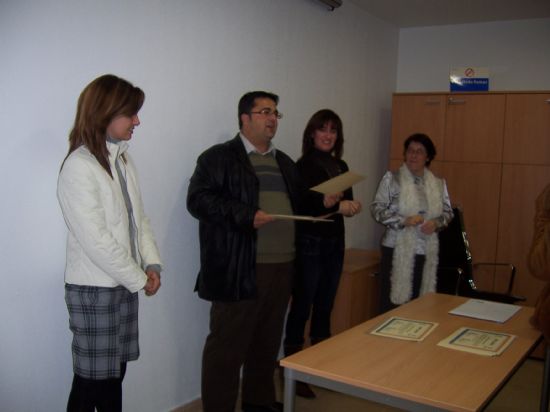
454	249
455	273
454	252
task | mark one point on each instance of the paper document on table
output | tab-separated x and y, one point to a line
299	217
486	310
480	342
338	183
407	329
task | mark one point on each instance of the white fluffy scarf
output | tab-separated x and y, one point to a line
405	245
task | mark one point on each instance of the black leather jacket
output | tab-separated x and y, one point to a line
223	195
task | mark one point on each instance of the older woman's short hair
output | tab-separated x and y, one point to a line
425	141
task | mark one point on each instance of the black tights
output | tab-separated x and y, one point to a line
89	394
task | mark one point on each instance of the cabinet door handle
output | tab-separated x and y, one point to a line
452	100
547	100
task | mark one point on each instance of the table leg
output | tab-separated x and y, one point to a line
290	390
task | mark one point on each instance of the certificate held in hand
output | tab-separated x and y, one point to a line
338	183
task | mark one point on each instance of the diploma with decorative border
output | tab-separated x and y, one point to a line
480	342
407	329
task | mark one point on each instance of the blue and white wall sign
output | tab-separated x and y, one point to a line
469	79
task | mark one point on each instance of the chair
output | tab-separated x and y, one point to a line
457	272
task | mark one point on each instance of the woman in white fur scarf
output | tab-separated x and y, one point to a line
413	204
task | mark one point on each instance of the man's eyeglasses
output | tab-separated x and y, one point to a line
269	112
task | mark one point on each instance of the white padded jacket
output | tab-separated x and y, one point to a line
98	242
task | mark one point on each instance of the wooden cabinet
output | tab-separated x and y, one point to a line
473	128
527	129
494	152
417	114
357	297
476	188
521	184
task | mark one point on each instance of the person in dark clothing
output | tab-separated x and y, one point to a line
247	256
320	246
538	261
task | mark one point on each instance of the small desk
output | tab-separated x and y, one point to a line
357	298
415	376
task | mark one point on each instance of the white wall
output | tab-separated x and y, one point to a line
517	54
194	59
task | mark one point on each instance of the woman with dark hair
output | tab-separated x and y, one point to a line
320	247
111	252
413	204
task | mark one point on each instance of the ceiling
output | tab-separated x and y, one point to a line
415	13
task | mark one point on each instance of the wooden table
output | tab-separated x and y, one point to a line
415	376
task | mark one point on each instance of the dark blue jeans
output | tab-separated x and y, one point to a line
316	281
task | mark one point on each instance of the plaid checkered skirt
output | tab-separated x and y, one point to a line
104	322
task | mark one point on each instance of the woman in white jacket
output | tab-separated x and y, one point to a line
111	251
